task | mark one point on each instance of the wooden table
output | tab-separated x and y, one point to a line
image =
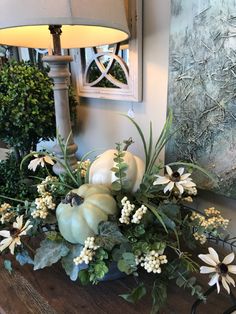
50	291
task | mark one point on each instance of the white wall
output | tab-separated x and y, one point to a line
99	121
100	124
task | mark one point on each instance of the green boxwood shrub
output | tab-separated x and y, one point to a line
26	106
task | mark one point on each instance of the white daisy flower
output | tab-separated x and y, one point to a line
219	269
177	179
40	161
11	240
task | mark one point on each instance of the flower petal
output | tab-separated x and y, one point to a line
188	184
5	233
207	270
34	164
19	222
169	170
185	176
179	187
230	280
25	230
214	280
218	287
5	243
169	187
161	180
228	259
232	269
48	160
214	255
12	247
207	259
225	285
180	171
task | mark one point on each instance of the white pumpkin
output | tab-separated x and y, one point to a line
100	170
83	209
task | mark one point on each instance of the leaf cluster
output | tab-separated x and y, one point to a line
119	170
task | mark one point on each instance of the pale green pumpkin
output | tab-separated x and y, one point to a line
100	170
83	209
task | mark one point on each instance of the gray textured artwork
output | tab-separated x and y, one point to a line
202	88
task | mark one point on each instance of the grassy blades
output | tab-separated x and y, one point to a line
161	141
152	154
66	165
150	144
142	138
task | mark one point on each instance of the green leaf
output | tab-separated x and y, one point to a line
68	264
167	221
136	294
54	236
84	277
118	252
155	212
123	166
100	270
109	235
171	210
127	264
159	295
49	253
8	265
116	186
114	169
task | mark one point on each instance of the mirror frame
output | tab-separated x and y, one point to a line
133	91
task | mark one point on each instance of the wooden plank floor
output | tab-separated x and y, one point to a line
50	291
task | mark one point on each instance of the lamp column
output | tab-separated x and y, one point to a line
60	74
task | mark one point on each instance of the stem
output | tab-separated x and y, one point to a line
128	143
28	247
11	198
17	154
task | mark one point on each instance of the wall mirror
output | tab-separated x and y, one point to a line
112	71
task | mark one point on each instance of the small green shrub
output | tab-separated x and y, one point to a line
26	106
13	182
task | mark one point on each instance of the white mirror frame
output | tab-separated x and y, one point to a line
133	90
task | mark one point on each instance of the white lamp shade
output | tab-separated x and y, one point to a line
85	23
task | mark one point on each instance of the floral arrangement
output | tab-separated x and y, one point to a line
117	212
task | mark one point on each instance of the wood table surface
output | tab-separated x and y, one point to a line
50	291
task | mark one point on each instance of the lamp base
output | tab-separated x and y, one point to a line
60	74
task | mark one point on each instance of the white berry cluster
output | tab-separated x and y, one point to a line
83	167
188	199
211	221
191	191
47	185
152	261
88	252
4	207
5	214
43	204
127	209
138	215
201	237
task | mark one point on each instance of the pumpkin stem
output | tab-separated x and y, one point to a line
127	143
73	199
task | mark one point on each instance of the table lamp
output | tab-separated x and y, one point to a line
57	24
